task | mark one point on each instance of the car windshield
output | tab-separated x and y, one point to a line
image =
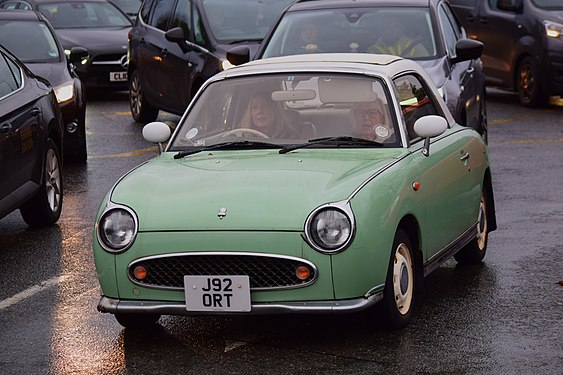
400	31
128	6
548	4
272	111
233	21
31	42
78	14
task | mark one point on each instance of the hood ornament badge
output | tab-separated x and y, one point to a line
222	213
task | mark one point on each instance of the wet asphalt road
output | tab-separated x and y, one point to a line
503	316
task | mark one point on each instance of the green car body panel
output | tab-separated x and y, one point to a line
269	197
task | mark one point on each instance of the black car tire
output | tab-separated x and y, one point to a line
141	110
136	320
528	84
475	251
45	207
400	286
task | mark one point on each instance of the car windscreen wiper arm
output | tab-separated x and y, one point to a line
341	140
227	145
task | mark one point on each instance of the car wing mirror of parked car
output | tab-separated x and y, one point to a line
238	55
177	35
467	49
157	132
77	54
428	127
510	5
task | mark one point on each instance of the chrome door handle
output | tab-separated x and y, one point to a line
470	70
464	157
35	112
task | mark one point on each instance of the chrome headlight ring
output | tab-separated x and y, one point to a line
330	228
117	228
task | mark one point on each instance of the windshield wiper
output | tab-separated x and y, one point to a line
226	146
341	140
250	40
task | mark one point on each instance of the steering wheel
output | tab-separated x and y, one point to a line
241	131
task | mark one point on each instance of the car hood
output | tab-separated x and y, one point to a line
55	73
437	69
96	41
260	190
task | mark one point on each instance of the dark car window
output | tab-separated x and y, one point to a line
29	41
145	10
161	14
84	14
10	76
199	30
451	33
414	100
9	5
182	16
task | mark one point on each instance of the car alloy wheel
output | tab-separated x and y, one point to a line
474	251
140	110
45	207
529	87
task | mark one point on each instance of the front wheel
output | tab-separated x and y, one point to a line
474	251
141	110
136	320
45	207
399	292
528	84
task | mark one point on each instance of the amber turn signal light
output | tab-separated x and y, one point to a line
302	272
140	272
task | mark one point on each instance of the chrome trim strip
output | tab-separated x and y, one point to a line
450	249
117	62
113	306
225	253
22	77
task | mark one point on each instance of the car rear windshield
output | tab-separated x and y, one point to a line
31	42
285	109
355	30
77	14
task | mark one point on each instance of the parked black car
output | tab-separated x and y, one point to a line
523	44
427	32
176	45
99	26
29	36
31	135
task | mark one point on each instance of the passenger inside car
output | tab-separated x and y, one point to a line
395	39
267	117
370	122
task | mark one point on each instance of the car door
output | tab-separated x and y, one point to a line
462	73
19	133
153	48
446	183
497	29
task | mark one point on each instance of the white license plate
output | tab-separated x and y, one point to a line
117	76
217	293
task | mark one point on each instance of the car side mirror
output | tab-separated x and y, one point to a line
467	49
510	5
429	127
77	54
238	55
157	132
177	35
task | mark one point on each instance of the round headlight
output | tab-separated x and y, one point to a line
117	229
330	229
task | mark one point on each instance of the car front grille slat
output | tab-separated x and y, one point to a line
265	272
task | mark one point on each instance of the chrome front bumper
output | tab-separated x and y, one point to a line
113	306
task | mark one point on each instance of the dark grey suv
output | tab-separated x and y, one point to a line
523	44
175	45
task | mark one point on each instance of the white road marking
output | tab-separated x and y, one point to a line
22	296
230	345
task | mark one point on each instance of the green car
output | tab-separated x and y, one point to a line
322	183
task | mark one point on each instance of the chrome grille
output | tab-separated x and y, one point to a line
265	272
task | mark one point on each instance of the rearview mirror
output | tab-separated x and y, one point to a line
467	49
429	127
238	55
156	132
